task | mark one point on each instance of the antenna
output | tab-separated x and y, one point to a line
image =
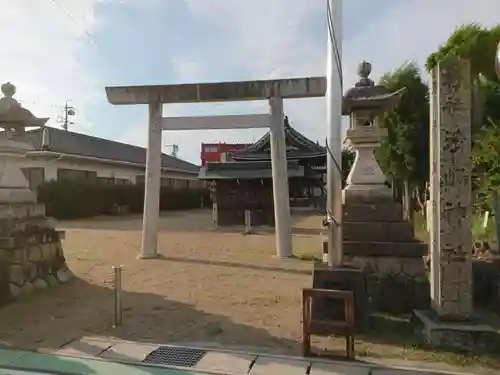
68	111
175	149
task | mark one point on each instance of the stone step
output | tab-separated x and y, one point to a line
379	231
388	212
391	249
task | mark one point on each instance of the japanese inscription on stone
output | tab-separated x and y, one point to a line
451	241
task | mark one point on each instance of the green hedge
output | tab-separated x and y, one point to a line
73	199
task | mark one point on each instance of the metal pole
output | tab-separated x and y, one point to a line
117	288
280	180
334	131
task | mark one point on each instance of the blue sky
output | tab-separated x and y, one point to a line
52	57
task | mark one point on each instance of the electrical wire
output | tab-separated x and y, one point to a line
70	16
87	34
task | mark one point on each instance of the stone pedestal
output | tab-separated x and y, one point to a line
31	255
377	241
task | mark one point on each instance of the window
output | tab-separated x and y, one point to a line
122	181
167	182
211	149
76	174
105	180
35	176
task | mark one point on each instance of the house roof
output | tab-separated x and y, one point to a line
78	144
298	147
245	170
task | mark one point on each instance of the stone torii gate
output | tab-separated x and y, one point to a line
272	90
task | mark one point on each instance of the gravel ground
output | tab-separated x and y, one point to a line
221	288
207	286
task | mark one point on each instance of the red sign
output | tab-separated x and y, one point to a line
219	151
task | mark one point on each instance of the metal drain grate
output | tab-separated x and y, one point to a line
175	356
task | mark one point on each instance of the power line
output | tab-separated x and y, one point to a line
70	16
87	34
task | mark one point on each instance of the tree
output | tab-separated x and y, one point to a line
486	162
478	45
404	156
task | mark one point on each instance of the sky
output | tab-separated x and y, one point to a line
69	50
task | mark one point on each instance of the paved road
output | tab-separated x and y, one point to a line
92	356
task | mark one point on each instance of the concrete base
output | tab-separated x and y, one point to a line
147	256
465	335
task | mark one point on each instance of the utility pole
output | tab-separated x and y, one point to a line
68	111
175	149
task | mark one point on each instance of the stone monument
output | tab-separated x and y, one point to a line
451	320
31	255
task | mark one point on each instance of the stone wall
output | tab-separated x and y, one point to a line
31	254
394	285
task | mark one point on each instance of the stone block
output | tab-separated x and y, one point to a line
64	275
40	284
18	256
378	231
463	335
51	280
30	271
27	288
387	276
16	274
34	253
372	212
384	249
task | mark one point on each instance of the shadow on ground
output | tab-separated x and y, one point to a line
156	319
234	265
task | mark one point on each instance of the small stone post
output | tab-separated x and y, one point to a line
248	222
215	216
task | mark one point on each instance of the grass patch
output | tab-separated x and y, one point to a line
479	233
395	337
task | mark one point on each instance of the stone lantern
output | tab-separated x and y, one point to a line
366	104
14	188
31	257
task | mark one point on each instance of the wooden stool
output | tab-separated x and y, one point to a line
344	328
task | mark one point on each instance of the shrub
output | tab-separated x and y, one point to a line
72	199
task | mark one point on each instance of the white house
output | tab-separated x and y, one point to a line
59	154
